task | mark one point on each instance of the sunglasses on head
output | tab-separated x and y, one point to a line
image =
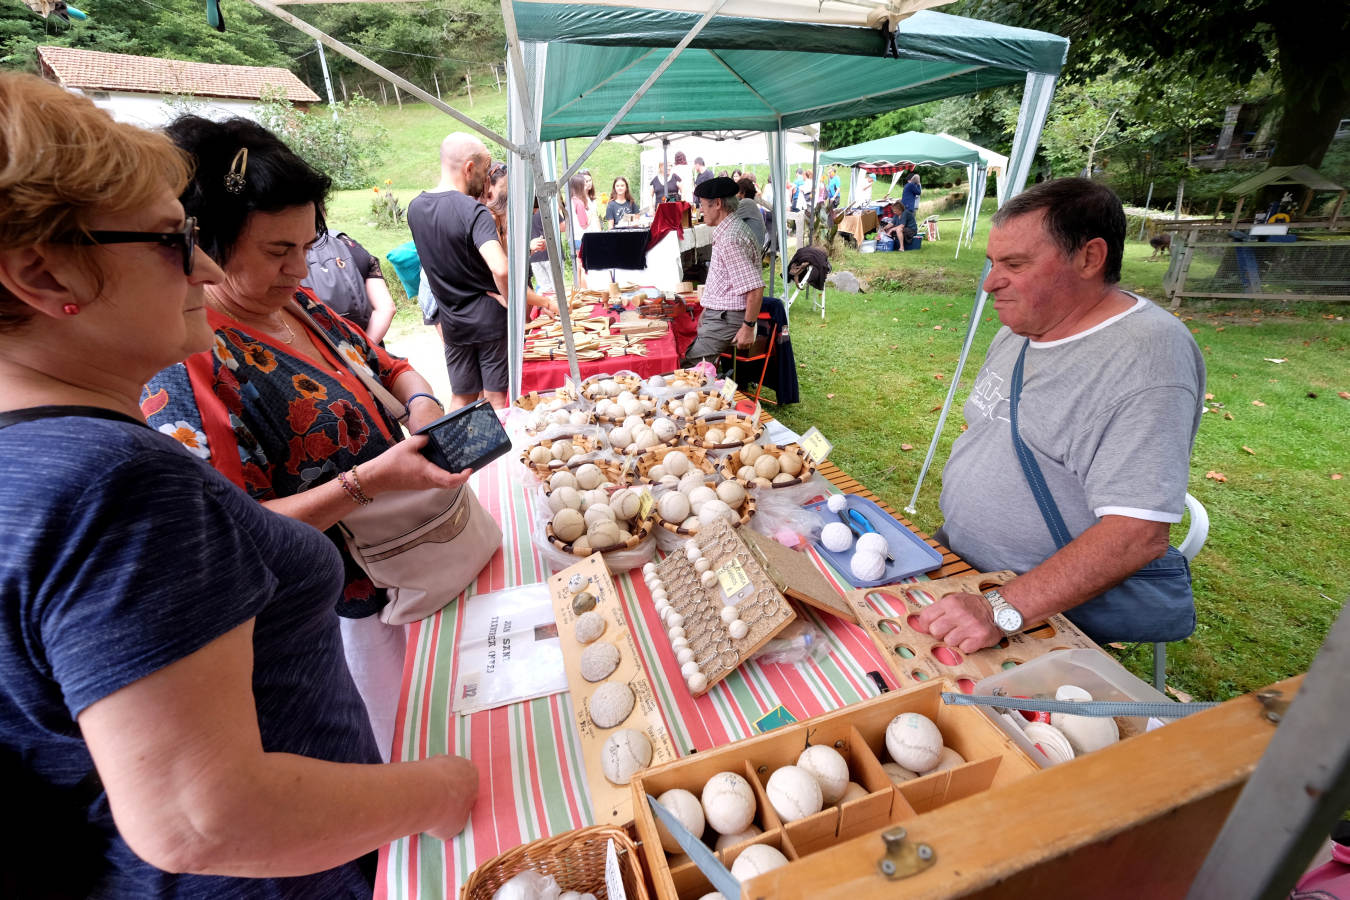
185	239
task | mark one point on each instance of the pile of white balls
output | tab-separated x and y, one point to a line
765	468
624	403
555	454
586	515
695	405
868	562
691	501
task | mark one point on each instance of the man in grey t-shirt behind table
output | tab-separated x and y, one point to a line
465	265
1110	405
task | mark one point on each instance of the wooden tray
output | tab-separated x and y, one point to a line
858	732
716	652
913	656
611	803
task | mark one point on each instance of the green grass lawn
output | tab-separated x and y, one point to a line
877	367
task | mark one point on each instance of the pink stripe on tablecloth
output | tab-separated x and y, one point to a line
568	785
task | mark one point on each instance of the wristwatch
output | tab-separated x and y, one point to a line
1006	616
750	324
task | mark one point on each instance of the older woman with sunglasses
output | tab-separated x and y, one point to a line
173	696
272	406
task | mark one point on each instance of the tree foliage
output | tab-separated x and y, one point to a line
346	144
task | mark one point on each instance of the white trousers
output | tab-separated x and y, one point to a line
374	654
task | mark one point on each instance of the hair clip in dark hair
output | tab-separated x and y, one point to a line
234	179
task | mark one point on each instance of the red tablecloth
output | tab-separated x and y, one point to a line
663	355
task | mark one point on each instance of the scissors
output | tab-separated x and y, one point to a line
860	525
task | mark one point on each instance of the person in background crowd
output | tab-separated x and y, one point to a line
736	176
681	170
350	282
701	171
665	187
735	287
593	216
463	256
795	190
808	191
176	719
865	183
579	220
910	195
280	413
621	202
498	208
833	186
1114	389
748	210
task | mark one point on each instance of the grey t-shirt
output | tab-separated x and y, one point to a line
1110	414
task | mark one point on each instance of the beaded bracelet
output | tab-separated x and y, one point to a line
352	486
361	496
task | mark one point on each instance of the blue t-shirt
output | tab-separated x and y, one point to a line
123	554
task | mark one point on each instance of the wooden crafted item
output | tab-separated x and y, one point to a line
796	575
610	802
888	612
758	604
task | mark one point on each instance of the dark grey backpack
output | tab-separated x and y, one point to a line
334	278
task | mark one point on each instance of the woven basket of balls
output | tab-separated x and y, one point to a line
785	466
652	464
552	454
732	432
683	379
533	399
671	505
613	411
610	384
582	529
695	404
647	436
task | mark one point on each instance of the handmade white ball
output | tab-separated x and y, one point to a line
673	506
756	860
867	566
610	704
837	503
897	773
836	537
589	477
715	509
828	766
750	453
685	807
728	803
914	742
675	462
568	524
794	793
715	436
766	466
731	493
853	790
726	840
562	479
664	428
872	543
624	753
701	495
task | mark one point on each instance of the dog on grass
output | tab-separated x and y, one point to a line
1161	244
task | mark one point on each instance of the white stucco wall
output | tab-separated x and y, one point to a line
150	110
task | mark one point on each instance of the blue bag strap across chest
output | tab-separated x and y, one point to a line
1030	468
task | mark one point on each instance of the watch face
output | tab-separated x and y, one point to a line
1008	619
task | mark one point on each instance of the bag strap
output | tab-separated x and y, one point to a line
1030	468
392	405
61	411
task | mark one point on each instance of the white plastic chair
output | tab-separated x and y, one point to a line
803	283
1189	547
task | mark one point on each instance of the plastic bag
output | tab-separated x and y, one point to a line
529	885
780	515
617	561
798	643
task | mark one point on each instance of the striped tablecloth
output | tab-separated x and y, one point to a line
532	778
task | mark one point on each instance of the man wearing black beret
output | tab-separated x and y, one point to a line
735	285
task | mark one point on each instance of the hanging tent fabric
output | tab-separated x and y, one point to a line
915	148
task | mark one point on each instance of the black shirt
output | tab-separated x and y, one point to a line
614	211
449	228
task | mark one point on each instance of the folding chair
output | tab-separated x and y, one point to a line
1189	547
804	284
930	224
763	355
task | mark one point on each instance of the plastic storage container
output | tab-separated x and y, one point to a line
868	247
1092	670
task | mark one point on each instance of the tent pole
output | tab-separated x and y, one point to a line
1036	96
642	90
368	63
544	191
779	167
572	238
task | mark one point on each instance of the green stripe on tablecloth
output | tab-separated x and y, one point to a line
571	747
548	762
462	847
523	765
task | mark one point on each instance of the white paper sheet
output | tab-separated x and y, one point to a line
508	650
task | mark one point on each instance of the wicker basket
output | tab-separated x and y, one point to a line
587	446
747	510
646	415
642	528
651	458
732	463
713	399
696	432
685	378
627	381
529	401
575	859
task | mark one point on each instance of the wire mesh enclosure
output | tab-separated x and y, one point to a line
1237	266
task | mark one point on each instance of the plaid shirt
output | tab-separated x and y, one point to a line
734	269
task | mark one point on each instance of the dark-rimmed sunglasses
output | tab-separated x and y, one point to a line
185	239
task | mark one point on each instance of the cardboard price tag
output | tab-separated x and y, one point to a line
815	445
645	503
570	386
728	389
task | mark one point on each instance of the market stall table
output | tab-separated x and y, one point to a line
532	777
859	225
663	355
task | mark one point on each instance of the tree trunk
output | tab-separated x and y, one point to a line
1315	75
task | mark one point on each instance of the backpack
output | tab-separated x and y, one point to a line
334	278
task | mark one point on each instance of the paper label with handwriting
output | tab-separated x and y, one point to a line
815	445
728	389
570	386
613	874
732	579
645	504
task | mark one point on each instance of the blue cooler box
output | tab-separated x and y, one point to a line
914	243
886	243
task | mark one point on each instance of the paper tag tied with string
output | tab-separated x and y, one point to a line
645	503
728	389
734	581
815	445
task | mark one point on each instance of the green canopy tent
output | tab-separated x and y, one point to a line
617	67
919	149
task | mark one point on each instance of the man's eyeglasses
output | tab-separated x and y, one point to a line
496	170
185	239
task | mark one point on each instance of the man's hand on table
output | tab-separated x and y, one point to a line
963	621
